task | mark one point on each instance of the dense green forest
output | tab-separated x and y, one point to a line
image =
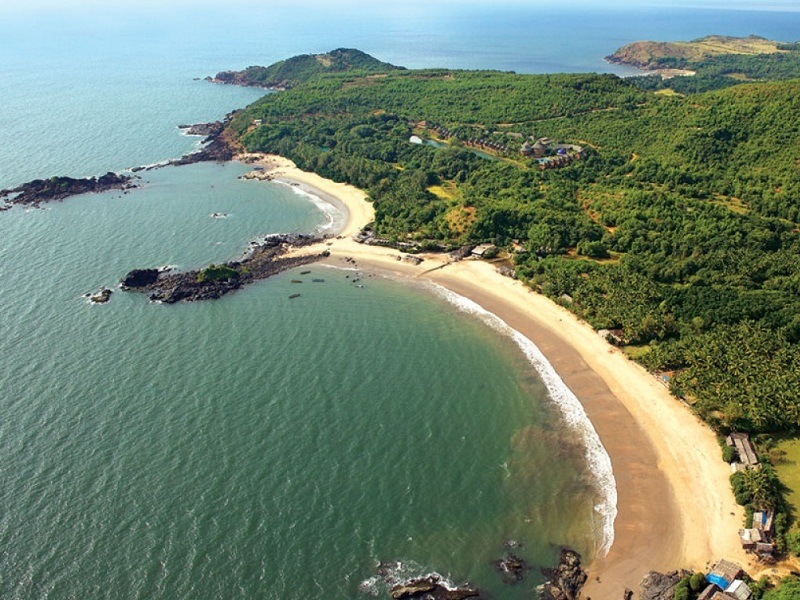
679	228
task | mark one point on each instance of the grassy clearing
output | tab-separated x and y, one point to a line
787	466
634	352
731	203
446	191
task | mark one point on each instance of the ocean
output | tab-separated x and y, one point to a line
258	446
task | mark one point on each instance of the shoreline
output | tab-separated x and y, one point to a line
675	505
571	410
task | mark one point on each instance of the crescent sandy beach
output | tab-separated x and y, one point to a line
675	508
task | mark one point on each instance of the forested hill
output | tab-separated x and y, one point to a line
676	225
288	73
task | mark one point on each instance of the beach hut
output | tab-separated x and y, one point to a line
724	573
744	448
709	592
762	520
739	590
749	538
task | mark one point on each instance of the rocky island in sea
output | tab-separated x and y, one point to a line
35	192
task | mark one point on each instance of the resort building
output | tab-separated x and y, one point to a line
527	149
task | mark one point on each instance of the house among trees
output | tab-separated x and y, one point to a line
759	539
763	521
550	155
744	450
750	538
485	251
537	150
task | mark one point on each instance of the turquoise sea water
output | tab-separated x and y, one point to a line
256	446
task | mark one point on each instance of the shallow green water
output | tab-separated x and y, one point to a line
255	446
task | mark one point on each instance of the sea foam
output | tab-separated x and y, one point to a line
334	216
571	409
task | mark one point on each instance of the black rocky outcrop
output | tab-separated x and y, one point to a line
430	588
33	193
203	129
511	568
217	143
564	582
264	260
139	278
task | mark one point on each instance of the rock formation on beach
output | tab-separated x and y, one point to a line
564	582
660	586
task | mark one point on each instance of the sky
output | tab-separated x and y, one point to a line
61	5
